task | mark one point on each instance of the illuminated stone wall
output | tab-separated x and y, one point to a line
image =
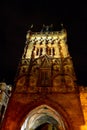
83	98
5	93
46	78
46	64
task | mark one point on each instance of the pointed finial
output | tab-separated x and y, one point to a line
31	26
62	25
43	25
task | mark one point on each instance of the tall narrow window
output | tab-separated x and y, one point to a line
41	49
37	52
53	51
44	79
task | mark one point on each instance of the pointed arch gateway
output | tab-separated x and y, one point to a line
46	117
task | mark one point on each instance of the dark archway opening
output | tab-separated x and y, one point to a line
44	118
46	126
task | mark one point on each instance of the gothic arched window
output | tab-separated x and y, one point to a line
44	78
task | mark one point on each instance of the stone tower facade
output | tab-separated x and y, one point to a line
5	93
45	91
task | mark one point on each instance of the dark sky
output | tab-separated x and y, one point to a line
16	18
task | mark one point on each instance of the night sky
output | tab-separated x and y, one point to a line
17	16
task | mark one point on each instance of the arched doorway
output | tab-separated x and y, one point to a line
44	118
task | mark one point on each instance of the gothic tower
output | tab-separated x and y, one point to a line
45	94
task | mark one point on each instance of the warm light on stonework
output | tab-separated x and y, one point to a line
83	127
83	98
48	38
45	86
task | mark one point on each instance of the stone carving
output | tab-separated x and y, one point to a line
46	63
